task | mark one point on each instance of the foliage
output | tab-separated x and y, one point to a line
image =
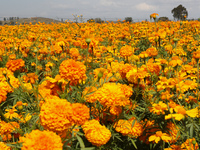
179	12
163	19
129	19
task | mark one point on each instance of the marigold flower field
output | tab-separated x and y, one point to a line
108	86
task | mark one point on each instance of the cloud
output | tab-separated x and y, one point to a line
145	7
108	3
62	6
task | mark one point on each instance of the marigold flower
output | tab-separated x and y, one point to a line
190	144
153	15
74	53
152	51
3	146
159	136
80	113
14	65
55	114
196	54
73	71
175	61
111	94
158	108
173	132
11	113
7	128
40	140
127	127
181	113
126	51
96	133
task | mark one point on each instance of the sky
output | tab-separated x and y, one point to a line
105	9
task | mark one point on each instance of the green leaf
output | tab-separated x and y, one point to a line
133	142
191	130
80	141
88	148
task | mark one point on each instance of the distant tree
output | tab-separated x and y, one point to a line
1	22
179	12
98	20
128	19
163	19
4	19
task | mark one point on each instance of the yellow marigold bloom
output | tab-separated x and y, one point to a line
186	85
96	133
3	146
126	51
158	108
127	127
80	113
55	114
73	71
112	94
41	140
14	65
159	136
134	74
14	82
190	144
175	61
11	113
181	113
26	118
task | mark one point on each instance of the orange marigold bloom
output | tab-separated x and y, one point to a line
14	65
154	67
190	144
196	54
173	131
127	127
3	146
74	53
7	128
96	133
153	15
41	140
159	136
73	71
55	114
5	88
126	51
152	51
80	113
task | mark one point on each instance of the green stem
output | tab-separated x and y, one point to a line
197	79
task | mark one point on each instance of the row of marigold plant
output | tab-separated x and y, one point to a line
100	86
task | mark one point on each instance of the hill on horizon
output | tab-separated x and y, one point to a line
32	20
